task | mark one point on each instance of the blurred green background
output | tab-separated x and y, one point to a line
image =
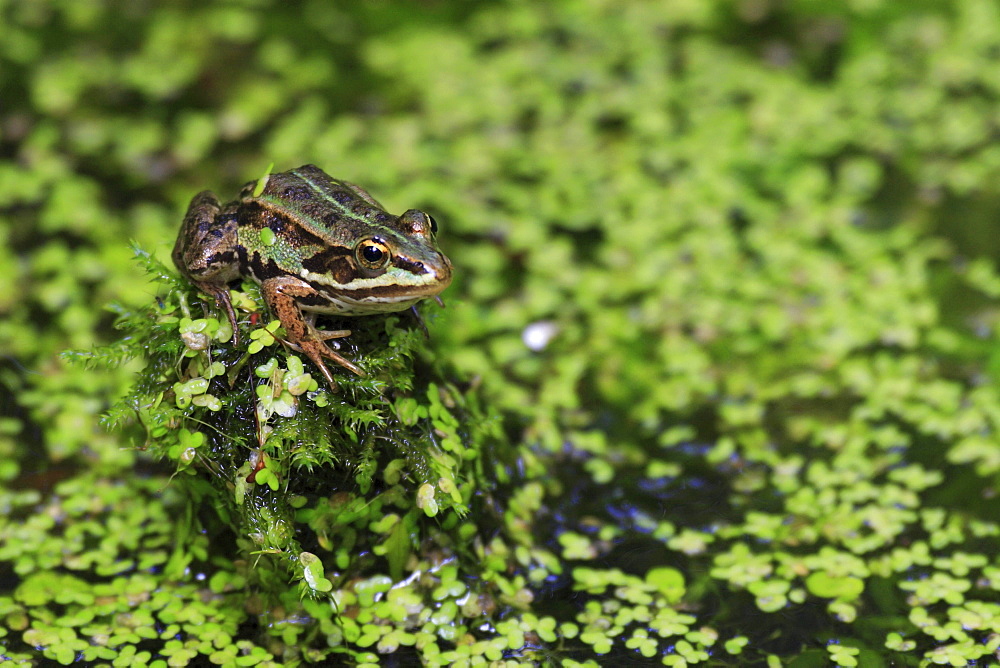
754	242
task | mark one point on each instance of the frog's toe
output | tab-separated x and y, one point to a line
317	350
326	335
344	362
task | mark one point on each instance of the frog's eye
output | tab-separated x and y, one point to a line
372	254
434	224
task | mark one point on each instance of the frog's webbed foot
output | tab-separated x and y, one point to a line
318	337
316	350
282	294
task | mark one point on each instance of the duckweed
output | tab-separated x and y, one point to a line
716	381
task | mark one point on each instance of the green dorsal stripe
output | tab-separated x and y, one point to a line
345	211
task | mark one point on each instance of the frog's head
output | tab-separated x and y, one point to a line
392	265
401	261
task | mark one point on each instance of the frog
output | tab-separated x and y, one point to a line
315	245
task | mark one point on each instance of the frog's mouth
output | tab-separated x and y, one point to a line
402	285
418	279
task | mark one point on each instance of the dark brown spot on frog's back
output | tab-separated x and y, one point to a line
331	220
295	192
342	196
251	214
334	261
261	268
275	222
290	187
254	216
352	201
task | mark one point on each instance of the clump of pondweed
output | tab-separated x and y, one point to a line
342	491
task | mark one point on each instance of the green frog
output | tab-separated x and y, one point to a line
315	244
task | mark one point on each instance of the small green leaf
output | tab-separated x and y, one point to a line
668	581
398	547
426	501
262	181
312	572
824	585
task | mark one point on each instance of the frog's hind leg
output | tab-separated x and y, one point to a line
282	295
205	250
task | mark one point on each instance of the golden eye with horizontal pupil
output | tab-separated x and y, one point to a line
434	224
372	254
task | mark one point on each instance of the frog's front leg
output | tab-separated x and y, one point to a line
282	294
205	251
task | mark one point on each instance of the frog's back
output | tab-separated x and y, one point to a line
328	208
